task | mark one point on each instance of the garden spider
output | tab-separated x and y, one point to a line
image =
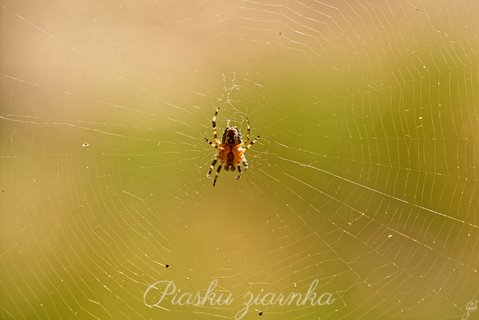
230	151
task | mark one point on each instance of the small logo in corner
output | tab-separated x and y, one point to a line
471	306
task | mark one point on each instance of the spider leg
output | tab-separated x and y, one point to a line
239	173
245	164
248	130
215	132
211	167
214	145
251	143
216	175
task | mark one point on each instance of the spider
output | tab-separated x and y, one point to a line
230	151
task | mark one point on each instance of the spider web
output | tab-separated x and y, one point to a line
364	179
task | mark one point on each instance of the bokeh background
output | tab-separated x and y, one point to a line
365	176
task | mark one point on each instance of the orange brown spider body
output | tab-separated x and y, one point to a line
231	149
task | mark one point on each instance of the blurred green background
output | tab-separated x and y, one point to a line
364	178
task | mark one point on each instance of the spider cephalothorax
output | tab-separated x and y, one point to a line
231	136
231	149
